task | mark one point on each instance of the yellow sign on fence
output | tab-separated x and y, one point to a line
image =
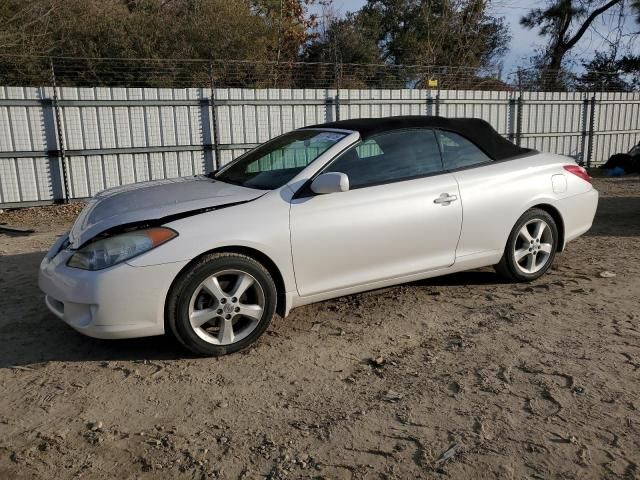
432	83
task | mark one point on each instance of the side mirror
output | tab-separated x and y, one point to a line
330	182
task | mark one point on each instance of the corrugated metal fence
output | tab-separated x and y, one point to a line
83	140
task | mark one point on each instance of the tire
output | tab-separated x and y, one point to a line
222	304
516	263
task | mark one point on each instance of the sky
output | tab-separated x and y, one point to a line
524	41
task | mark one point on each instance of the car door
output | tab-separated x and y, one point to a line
401	216
490	193
494	193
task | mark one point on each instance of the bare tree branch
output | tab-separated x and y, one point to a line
587	23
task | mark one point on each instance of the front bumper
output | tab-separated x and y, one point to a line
118	302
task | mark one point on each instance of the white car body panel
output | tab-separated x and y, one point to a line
379	232
102	304
264	227
322	246
151	201
496	195
577	212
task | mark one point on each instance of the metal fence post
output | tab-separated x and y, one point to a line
338	73
592	124
520	104
519	110
430	102
214	119
511	120
437	104
60	136
583	136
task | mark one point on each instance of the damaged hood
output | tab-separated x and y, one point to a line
154	200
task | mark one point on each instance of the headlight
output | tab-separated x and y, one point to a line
119	248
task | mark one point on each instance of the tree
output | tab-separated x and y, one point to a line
253	30
564	23
343	40
292	23
23	25
238	29
630	65
603	72
435	32
607	72
414	33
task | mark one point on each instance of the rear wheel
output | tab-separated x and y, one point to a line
222	304
531	247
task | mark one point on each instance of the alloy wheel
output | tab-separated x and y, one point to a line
226	307
533	246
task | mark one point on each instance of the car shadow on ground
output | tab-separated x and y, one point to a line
485	276
617	217
63	344
30	334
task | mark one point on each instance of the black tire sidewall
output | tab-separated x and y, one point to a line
510	251
185	287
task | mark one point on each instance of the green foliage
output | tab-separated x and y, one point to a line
605	72
435	32
90	30
222	29
344	40
416	32
438	32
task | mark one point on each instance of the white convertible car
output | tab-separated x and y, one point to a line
316	213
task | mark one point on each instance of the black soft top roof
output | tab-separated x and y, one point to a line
478	131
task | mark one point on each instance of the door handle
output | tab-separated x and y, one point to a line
445	199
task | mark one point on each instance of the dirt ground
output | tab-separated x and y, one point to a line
462	376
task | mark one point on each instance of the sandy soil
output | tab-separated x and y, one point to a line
457	377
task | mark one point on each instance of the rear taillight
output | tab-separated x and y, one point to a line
578	171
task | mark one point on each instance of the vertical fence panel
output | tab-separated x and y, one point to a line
116	136
616	124
553	121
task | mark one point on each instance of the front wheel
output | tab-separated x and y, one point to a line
531	247
222	304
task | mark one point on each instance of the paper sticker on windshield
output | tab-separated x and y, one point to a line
329	136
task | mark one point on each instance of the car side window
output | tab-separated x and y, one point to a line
458	152
368	148
390	157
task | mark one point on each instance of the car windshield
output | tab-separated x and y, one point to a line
274	163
